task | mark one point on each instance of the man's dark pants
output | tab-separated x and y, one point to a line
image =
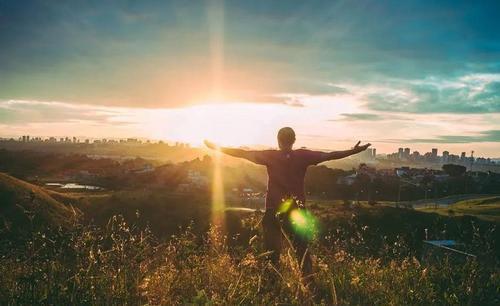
273	237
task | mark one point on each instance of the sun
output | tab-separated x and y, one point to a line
228	124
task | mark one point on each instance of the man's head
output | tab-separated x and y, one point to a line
286	138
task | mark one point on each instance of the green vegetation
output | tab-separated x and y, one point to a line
487	208
21	201
161	210
155	247
120	264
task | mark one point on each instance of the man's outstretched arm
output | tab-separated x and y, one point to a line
325	156
239	153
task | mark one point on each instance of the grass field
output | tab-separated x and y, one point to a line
486	208
150	247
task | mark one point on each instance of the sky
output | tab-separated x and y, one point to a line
418	74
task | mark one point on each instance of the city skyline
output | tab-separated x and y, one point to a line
401	153
416	72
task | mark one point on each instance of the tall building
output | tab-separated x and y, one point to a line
366	155
462	156
434	153
407	153
446	156
400	153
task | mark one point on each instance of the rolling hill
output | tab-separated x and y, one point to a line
23	205
487	208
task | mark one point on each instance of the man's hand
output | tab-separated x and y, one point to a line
211	145
359	148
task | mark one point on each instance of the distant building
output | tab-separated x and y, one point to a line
196	179
407	153
133	140
453	158
366	155
400	153
446	156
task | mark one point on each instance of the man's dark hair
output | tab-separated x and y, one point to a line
286	136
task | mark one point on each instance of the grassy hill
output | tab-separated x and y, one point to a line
23	204
356	262
486	208
363	255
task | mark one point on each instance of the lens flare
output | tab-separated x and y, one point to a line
218	201
303	223
285	206
215	17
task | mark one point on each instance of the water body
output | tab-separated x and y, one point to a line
73	186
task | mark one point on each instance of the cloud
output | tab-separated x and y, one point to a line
294	103
17	112
158	53
361	117
371	117
485	136
473	93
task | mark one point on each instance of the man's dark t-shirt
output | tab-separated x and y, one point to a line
286	172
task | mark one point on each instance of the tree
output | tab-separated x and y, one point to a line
454	170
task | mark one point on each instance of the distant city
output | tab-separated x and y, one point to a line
432	157
402	156
76	140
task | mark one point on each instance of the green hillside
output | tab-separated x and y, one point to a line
487	208
23	204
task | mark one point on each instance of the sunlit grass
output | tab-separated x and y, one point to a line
123	265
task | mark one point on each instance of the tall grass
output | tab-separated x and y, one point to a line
120	264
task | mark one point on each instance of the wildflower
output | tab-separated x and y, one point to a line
322	266
424	273
355	281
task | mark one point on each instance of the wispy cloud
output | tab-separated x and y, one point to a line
485	136
362	117
30	111
368	117
371	117
157	53
474	93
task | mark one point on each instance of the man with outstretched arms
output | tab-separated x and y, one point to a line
286	169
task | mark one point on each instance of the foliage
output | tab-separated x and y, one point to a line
119	264
454	170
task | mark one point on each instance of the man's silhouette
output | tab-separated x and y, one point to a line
286	169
